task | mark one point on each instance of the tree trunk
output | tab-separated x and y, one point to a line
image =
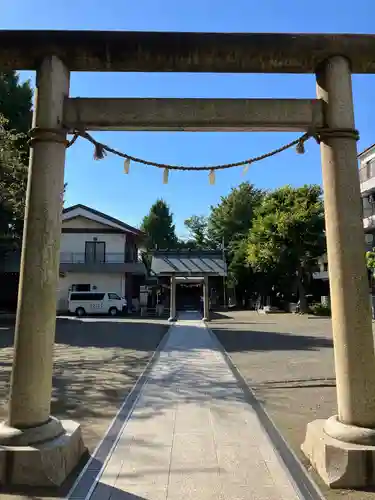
302	292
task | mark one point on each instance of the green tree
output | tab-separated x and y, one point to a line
232	218
240	273
13	179
16	107
186	244
370	261
15	121
197	227
159	228
288	236
229	224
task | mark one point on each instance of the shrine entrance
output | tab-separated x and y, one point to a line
189	268
189	294
54	447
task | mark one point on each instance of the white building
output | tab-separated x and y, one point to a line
367	183
98	252
322	272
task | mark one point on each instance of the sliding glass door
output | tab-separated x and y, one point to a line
95	252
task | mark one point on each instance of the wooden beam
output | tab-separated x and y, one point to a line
184	52
193	114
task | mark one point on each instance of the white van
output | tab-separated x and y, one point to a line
82	303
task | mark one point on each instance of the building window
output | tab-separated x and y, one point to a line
367	170
87	296
370	167
130	252
368	206
95	252
369	239
325	266
81	288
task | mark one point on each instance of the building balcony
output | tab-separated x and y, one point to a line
79	262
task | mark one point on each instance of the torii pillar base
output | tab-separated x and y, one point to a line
339	463
44	464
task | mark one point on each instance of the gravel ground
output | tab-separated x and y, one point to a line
288	361
97	362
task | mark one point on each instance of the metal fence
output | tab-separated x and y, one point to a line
82	258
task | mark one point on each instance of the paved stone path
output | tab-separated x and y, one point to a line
192	433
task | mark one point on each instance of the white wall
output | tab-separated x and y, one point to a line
322	274
367	186
75	242
82	213
82	222
104	283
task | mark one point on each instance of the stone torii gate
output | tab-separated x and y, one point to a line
39	449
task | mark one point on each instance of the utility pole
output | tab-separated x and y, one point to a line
224	280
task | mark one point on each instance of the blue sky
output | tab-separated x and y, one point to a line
103	185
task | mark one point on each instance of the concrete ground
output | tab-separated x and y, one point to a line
97	362
193	433
288	361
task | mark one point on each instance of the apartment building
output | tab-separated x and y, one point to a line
367	183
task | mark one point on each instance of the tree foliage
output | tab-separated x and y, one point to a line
159	228
197	227
287	235
16	107
13	179
232	218
272	239
370	261
15	121
229	223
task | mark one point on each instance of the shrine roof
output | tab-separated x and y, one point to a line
188	263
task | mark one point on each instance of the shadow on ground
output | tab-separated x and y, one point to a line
254	340
289	366
102	491
220	315
90	382
100	332
95	366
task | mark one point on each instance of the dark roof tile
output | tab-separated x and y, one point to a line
126	227
188	263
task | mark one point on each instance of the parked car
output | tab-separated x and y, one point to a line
82	303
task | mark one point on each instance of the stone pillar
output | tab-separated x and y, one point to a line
172	300
206	304
328	443
29	421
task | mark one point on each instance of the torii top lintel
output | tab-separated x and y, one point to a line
185	52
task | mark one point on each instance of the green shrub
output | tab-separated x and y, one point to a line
320	310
